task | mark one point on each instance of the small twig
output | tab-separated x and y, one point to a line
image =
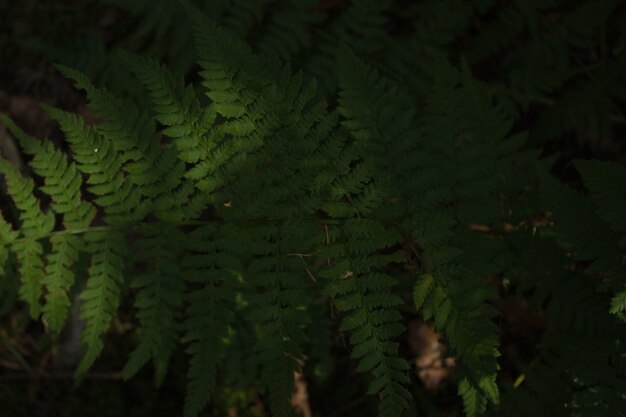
306	267
91	229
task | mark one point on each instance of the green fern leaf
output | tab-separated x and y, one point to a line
59	279
280	307
7	236
131	134
474	403
176	107
35	224
618	303
159	300
123	125
422	290
212	263
31	268
101	297
63	184
363	296
97	158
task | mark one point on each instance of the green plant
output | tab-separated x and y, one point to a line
247	208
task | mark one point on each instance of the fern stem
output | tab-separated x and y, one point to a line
181	223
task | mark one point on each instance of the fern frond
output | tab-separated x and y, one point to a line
98	158
35	224
159	299
466	322
456	110
212	266
474	404
191	127
379	119
59	279
6	230
618	303
153	172
7	236
123	124
279	307
364	295
32	274
375	113
62	183
101	297
247	205
254	96
176	107
229	74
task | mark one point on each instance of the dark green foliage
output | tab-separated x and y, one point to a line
159	300
212	265
235	210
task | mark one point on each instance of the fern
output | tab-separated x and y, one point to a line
133	135
8	236
280	310
159	298
599	239
34	224
101	297
237	206
212	265
96	157
176	107
363	295
63	184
